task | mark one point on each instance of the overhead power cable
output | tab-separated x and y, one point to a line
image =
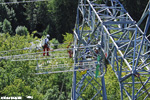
15	2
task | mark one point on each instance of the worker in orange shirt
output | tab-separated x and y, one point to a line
46	45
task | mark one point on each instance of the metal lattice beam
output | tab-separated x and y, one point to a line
122	42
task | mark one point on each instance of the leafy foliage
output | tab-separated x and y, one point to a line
7	28
18	78
21	30
55	42
54	17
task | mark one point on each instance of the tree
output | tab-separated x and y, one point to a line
3	14
7	28
43	16
63	15
53	94
8	12
31	13
21	30
20	18
55	42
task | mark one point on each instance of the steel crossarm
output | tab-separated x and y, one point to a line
122	42
62	71
59	68
26	55
34	56
57	53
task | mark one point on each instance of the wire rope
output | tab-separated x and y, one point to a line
22	2
83	47
41	59
50	72
87	66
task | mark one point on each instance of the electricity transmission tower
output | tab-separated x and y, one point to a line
119	40
104	33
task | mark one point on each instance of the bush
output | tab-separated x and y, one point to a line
7	28
55	42
21	30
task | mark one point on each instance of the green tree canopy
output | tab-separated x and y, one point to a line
21	30
7	28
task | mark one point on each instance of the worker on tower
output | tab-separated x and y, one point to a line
70	51
46	45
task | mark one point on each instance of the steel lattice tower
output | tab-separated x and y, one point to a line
119	40
103	33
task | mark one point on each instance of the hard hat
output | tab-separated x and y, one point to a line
48	35
87	35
